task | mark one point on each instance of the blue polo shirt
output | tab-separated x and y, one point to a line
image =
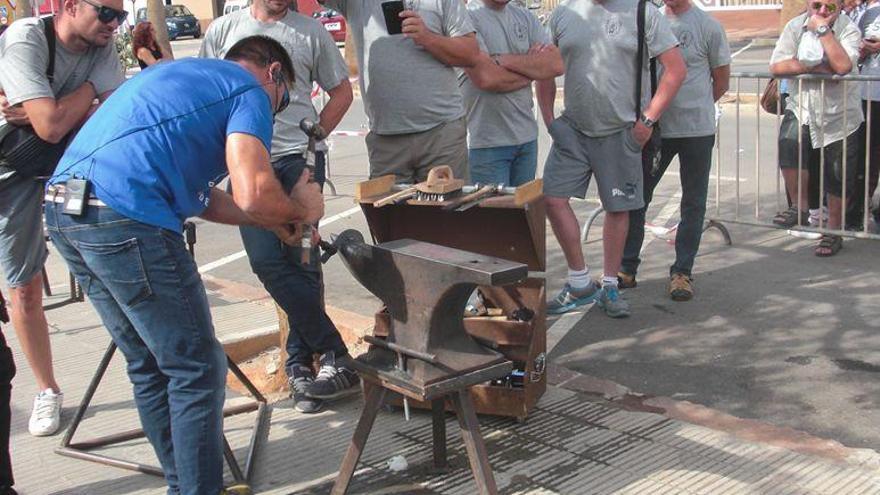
155	148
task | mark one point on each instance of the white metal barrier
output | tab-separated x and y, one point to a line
730	199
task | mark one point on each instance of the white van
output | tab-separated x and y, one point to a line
231	6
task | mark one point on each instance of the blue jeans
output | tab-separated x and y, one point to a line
695	158
147	290
297	288
511	165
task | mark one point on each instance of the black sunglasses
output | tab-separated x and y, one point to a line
107	14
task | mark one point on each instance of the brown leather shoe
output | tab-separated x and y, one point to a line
626	281
681	287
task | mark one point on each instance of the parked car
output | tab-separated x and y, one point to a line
233	5
333	22
178	18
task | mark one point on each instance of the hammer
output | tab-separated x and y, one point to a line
315	134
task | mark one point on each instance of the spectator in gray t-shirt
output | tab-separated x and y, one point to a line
409	86
86	67
296	287
502	131
688	131
601	133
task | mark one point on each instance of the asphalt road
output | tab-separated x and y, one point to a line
774	334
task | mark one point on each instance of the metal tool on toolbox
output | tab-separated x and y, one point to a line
427	355
315	133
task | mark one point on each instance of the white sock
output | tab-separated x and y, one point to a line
579	279
609	280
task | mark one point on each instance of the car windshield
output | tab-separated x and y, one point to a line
177	11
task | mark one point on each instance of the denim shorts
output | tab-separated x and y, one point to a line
22	242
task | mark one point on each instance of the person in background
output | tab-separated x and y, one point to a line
842	117
145	48
600	133
4	23
688	131
297	287
502	132
86	67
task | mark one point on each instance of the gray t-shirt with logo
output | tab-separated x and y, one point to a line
24	56
501	119
314	55
598	42
405	88
704	47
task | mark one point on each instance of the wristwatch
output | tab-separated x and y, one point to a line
822	31
649	123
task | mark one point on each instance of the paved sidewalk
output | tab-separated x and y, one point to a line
573	443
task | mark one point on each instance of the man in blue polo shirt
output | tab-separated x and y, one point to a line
152	155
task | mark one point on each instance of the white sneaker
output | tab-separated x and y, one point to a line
46	416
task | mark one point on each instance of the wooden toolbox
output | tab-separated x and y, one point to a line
512	227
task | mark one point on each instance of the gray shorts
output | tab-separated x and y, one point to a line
616	160
411	156
22	243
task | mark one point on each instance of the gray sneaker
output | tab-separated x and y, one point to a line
612	302
303	378
570	298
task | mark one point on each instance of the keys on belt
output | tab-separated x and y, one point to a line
55	194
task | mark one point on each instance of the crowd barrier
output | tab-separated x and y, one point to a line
741	194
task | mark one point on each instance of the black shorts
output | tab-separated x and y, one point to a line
788	155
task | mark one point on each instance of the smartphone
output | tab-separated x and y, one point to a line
392	10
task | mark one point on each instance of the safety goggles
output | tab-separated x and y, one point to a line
817	6
107	14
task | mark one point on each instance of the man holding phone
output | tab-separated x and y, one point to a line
415	108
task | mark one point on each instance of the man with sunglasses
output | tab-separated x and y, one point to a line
151	157
827	121
86	67
297	287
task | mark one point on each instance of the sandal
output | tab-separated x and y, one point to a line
789	218
829	245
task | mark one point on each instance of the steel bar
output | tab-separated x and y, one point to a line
391	346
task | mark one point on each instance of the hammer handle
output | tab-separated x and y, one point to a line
483	191
406	193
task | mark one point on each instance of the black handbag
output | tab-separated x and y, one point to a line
651	149
21	149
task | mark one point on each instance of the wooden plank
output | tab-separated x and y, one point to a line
529	192
374	187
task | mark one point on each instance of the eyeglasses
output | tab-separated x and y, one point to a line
285	99
831	7
107	14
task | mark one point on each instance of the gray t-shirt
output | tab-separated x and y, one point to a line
405	88
315	59
501	119
24	56
598	42
704	47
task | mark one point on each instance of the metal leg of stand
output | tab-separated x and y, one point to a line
721	228
46	288
79	450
